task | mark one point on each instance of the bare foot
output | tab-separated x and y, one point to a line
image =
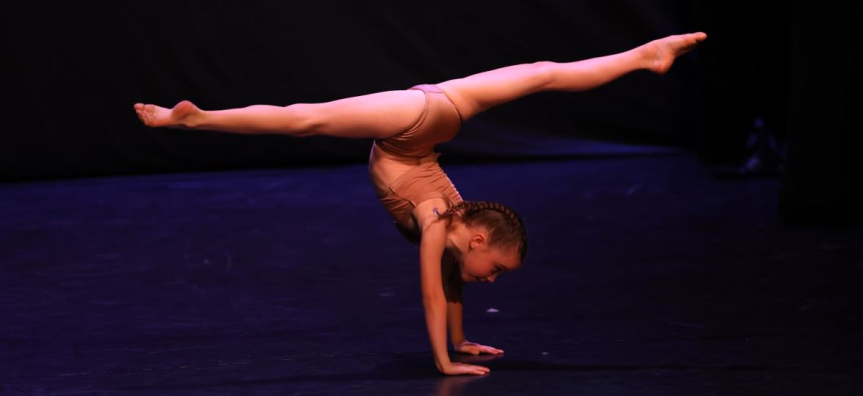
183	116
660	54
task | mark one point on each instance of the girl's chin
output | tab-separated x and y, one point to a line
468	279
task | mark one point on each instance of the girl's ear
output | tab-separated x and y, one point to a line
477	240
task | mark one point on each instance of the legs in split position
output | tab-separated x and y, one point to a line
384	114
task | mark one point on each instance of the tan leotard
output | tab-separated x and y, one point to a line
404	168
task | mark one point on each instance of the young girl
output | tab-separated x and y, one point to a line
459	241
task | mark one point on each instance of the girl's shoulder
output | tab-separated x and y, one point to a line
428	214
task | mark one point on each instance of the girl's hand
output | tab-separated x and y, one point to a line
457	368
473	348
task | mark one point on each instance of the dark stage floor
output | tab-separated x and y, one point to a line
644	277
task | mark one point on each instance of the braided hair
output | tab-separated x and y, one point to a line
505	227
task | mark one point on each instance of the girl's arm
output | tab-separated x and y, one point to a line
454	319
453	291
432	246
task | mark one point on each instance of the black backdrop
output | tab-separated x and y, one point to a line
77	68
72	71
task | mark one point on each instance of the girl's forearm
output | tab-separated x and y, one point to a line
454	322
436	317
432	246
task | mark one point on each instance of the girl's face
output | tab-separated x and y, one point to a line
482	263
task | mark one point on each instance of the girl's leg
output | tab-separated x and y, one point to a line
479	92
384	114
378	115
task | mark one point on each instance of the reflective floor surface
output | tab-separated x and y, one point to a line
644	276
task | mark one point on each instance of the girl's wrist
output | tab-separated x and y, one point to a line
443	364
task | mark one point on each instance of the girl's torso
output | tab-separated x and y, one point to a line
404	169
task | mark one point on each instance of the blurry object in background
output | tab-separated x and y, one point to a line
765	152
765	155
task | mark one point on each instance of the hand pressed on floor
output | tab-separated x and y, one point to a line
473	348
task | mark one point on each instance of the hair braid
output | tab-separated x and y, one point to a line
505	226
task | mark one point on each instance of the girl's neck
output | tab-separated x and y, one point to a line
457	237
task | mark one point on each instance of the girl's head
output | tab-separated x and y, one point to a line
490	239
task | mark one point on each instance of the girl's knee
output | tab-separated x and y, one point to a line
306	119
544	72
